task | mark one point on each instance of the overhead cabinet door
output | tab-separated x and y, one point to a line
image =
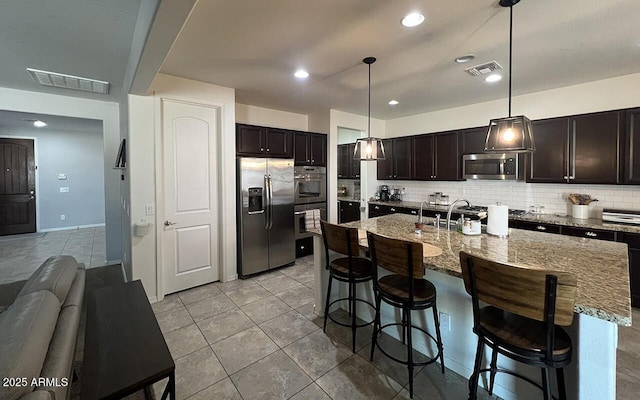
550	162
594	150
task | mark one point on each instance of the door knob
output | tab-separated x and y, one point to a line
169	223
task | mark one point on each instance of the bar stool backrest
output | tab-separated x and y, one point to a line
520	290
401	257
340	239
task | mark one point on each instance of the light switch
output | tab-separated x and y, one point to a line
64	189
62	177
149	209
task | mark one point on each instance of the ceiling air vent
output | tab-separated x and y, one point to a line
47	78
483	69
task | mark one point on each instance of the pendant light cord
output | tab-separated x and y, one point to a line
510	52
369	109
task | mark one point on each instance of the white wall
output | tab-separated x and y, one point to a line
145	172
253	115
41	103
78	155
368	181
607	94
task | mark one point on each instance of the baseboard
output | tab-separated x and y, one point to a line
68	228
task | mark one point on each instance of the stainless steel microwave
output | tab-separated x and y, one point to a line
493	166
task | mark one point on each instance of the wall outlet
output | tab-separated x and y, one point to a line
62	217
445	322
64	190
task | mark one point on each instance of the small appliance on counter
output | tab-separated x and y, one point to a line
438	199
385	195
630	217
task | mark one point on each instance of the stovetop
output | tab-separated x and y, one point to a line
512	212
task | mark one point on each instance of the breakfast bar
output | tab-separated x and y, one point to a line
602	303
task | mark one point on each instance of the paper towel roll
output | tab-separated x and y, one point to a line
498	220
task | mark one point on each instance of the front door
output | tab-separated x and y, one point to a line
17	186
190	254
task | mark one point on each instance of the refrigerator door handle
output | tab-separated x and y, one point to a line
270	203
267	201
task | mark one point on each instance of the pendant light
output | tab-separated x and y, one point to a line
369	148
510	134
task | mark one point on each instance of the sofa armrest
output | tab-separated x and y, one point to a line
37	395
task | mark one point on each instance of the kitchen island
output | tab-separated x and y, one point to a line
603	299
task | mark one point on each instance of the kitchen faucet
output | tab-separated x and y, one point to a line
420	212
451	209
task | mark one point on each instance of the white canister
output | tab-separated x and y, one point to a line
498	220
580	211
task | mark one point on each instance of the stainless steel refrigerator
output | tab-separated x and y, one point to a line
266	225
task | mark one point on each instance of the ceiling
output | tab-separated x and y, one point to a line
86	38
12	121
255	46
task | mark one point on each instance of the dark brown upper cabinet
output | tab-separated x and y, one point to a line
436	157
577	149
310	149
631	148
348	168
550	161
260	141
397	164
473	139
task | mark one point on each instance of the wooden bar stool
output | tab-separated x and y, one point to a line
525	309
404	288
351	269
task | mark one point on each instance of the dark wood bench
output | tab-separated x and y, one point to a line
124	349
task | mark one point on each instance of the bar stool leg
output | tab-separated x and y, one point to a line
546	384
562	390
493	367
326	307
352	310
436	320
376	325
473	380
407	314
403	317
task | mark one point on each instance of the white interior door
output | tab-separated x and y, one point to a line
190	224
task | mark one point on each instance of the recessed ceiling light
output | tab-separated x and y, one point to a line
412	19
393	102
465	58
302	74
39	124
493	78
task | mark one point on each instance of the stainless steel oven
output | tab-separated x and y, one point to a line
300	212
310	184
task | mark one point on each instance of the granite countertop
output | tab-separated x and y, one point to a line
601	267
565	220
349	198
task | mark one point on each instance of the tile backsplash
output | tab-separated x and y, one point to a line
352	185
521	195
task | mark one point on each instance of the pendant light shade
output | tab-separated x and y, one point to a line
369	148
510	134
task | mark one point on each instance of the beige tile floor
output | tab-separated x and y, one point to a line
23	254
259	339
228	338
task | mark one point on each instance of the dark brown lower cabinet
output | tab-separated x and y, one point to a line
349	211
633	241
